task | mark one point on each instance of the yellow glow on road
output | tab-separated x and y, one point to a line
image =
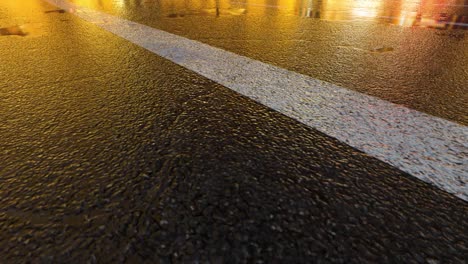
21	8
104	4
120	3
24	20
405	13
366	8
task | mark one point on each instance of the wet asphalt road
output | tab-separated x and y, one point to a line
112	154
377	47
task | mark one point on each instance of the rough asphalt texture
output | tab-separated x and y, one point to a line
111	154
429	148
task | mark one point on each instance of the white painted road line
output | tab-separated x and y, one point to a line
432	149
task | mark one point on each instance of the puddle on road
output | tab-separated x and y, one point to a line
13	31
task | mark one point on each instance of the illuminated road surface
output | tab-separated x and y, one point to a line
112	152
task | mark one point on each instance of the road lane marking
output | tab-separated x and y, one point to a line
432	149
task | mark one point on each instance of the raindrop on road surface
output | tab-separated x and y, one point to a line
61	11
382	49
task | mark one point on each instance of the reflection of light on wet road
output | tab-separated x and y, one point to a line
448	14
365	8
119	3
108	4
428	13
